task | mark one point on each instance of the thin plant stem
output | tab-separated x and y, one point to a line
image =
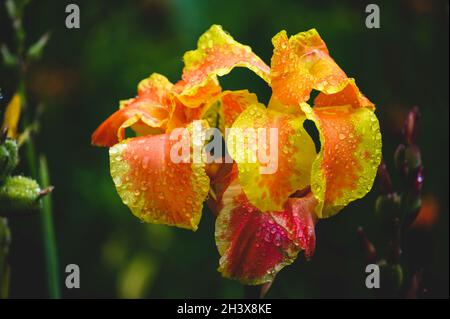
51	254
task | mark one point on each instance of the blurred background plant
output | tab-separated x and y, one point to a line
85	72
397	210
21	195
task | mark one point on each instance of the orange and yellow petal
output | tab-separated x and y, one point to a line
346	165
222	111
274	154
350	95
217	54
112	130
302	63
147	113
234	103
156	189
155	89
194	97
254	246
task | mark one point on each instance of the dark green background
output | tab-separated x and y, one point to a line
85	72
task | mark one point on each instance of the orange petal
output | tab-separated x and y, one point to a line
254	246
234	103
218	53
156	189
274	155
300	64
147	113
350	95
350	154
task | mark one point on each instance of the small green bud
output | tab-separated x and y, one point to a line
9	158
413	157
19	195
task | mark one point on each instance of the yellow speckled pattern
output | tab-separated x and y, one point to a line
293	153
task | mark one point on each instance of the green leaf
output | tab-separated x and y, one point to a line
8	58
11	8
35	50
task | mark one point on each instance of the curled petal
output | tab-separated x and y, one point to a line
300	64
218	53
156	189
254	246
147	113
198	96
112	131
350	95
346	166
274	155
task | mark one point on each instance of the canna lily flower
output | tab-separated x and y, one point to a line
263	220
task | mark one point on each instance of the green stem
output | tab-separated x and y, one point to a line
51	255
5	238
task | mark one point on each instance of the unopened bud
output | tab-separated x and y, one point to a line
413	157
8	158
18	195
367	247
411	126
384	179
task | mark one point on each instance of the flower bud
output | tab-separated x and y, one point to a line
367	246
384	179
19	195
411	126
8	158
413	157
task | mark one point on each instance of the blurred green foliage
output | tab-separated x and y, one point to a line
85	72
